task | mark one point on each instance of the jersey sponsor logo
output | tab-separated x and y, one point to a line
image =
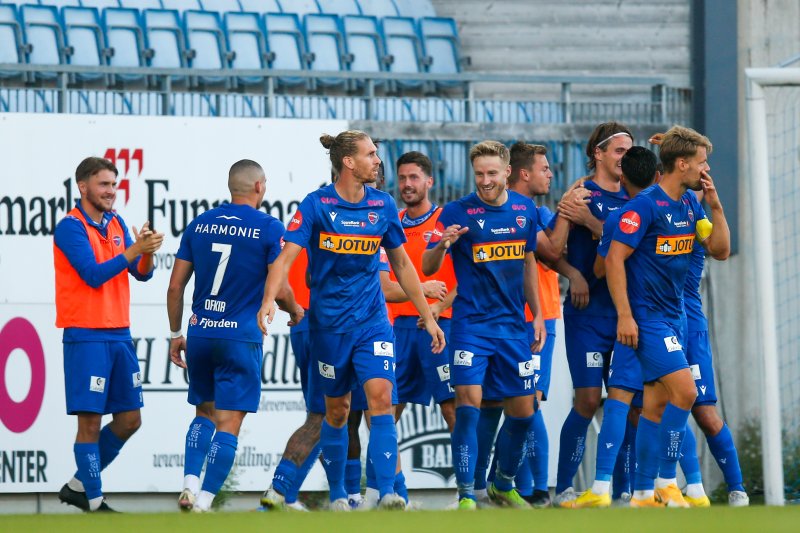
674	244
463	358
630	222
662	203
519	207
521	221
136	377
498	251
695	372
481	222
594	360
375	203
475	211
349	244
672	344
537	362
444	372
97	384
326	370
222	323
383	348
372	216
353	223
329	200
296	222
503	231
193	320
526	368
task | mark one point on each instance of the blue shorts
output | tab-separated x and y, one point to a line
589	341
698	355
625	372
660	351
225	372
421	374
309	374
543	361
102	377
347	360
503	367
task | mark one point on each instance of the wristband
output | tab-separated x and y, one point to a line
175	334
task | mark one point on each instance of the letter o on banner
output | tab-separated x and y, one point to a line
19	416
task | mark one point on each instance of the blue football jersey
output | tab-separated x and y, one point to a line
230	248
693	303
343	242
662	232
582	250
488	261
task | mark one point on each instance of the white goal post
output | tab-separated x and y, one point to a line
765	305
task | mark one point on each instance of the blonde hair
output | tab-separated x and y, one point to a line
490	148
681	142
343	145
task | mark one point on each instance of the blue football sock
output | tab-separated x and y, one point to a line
724	451
352	476
523	481
510	449
110	445
647	448
539	459
383	452
464	442
612	434
87	458
219	461
690	464
400	486
670	437
487	429
302	473
333	442
285	475
625	465
198	439
372	483
570	453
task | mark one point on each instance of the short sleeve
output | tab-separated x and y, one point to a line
273	239
301	224
185	248
383	265
608	232
394	237
446	218
632	225
545	217
533	227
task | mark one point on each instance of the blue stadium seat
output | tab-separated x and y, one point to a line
285	40
453	168
164	34
403	44
364	43
12	49
56	3
125	35
385	152
299	7
142	4
379	8
84	34
181	5
246	38
415	8
339	7
260	6
100	4
204	35
440	40
223	6
325	41
42	31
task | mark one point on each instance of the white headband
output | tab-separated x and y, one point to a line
611	137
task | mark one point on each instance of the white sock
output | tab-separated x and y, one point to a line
600	487
662	483
481	494
643	494
204	500
191	483
372	496
695	490
76	485
94	503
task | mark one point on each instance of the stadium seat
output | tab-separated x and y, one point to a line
285	40
415	8
453	167
12	49
181	5
299	7
125	35
325	41
260	6
164	35
440	41
246	38
404	46
379	8
364	44
204	35
100	4
84	34
142	4
42	31
339	7
224	6
57	3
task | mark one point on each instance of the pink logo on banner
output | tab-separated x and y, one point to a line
19	416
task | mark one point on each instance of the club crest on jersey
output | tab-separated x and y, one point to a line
498	251
349	244
674	244
427	236
372	216
521	221
193	320
630	222
296	222
117	240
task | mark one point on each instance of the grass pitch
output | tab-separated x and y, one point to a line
719	518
